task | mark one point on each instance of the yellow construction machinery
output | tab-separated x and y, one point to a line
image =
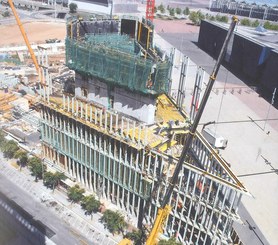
23	33
165	209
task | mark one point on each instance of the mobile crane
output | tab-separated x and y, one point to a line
165	208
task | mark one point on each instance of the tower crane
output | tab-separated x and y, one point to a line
150	9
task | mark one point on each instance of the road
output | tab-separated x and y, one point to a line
62	233
17	227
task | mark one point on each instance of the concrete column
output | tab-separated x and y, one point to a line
73	168
68	103
86	176
78	171
72	105
100	119
77	107
105	120
127	133
86	112
122	126
81	108
66	163
116	127
111	122
81	173
64	102
91	113
96	116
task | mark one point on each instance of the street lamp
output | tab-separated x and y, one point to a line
272	102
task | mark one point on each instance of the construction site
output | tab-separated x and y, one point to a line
121	134
118	111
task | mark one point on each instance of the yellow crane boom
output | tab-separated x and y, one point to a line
23	33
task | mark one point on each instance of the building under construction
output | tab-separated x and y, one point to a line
121	134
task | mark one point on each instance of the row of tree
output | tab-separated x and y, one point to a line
11	150
113	221
171	11
267	24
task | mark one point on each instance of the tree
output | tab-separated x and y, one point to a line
171	241
90	204
36	167
136	236
73	8
22	158
161	8
52	180
196	17
6	14
113	221
9	148
245	22
222	18
75	193
268	25
172	12
2	139
211	18
255	23
186	11
178	10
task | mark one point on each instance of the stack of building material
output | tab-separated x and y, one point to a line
5	99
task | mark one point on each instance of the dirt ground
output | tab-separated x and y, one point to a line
37	32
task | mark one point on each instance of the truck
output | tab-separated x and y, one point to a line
217	141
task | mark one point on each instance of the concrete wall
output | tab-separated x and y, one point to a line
252	61
211	38
97	90
139	106
270	75
248	57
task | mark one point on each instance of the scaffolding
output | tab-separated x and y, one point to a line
118	61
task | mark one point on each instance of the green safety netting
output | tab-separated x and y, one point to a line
113	58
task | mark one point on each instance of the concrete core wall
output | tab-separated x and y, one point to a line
139	106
